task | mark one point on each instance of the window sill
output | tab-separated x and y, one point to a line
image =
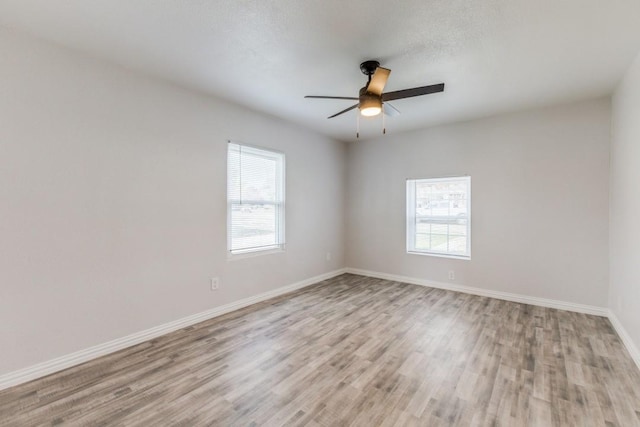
254	253
439	255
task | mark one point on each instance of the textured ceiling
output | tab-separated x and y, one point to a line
493	55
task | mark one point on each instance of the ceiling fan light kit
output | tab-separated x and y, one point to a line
371	100
370	105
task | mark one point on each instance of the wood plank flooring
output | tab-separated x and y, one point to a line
354	351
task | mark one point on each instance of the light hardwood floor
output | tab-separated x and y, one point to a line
354	351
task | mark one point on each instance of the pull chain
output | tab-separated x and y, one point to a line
384	128
358	125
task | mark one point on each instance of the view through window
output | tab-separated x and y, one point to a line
439	216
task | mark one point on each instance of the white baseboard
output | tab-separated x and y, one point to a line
625	337
51	366
524	299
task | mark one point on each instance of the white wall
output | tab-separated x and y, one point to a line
539	201
112	202
624	226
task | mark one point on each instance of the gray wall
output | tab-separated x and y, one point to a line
113	202
539	184
624	299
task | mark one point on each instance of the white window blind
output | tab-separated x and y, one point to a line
439	216
255	199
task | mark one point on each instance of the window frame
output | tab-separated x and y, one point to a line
412	216
279	204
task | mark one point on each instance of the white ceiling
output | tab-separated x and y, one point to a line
493	55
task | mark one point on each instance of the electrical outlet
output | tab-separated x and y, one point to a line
215	283
328	256
452	275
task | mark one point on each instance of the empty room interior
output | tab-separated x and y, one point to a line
323	213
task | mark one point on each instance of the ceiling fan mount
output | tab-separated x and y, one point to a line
371	99
369	67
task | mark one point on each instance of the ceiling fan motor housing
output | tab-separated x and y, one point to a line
364	95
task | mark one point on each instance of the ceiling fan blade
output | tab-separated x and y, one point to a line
390	110
416	91
331	97
378	80
343	111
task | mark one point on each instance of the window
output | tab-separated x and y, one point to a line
439	216
255	199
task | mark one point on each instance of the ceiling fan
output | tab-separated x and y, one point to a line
371	100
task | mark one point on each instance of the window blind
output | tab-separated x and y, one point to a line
255	198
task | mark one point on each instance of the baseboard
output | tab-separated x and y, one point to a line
626	338
49	367
524	299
